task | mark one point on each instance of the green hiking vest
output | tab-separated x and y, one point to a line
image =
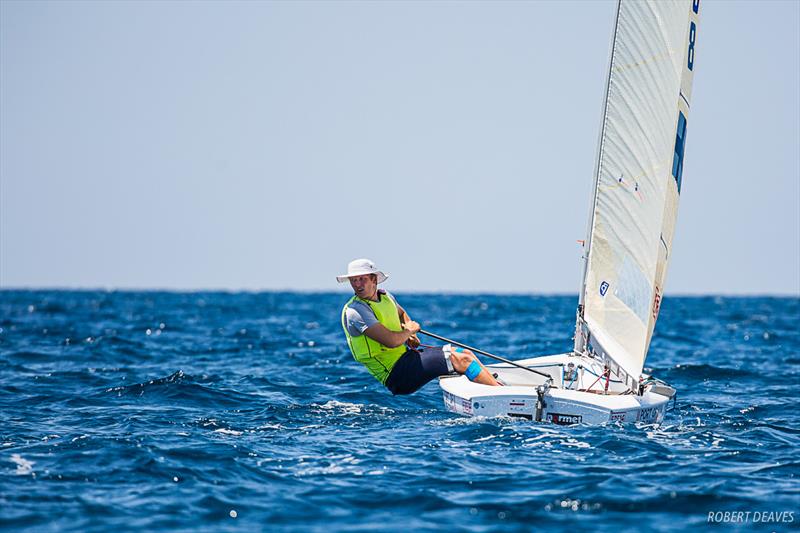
378	359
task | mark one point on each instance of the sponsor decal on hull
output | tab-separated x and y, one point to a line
456	404
564	419
450	401
521	408
618	416
466	406
648	414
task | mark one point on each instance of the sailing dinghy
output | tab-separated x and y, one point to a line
634	206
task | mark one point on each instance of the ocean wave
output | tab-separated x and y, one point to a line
247	411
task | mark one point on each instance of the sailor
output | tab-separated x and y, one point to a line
382	337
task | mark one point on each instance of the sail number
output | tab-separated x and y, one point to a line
692	35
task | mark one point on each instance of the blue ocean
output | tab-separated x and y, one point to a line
211	411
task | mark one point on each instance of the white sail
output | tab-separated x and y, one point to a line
638	178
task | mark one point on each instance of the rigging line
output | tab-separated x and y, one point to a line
606	374
574	376
487	354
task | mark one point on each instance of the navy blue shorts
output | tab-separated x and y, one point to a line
415	368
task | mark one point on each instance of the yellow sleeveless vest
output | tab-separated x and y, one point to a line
376	357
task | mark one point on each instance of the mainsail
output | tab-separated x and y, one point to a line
637	179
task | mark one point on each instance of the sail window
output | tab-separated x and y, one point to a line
680	141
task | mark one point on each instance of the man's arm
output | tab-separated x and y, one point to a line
402	314
380	333
413	341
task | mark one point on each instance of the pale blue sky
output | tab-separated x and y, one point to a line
263	145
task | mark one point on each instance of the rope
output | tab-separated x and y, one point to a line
606	374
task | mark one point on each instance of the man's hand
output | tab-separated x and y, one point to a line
413	342
392	339
411	326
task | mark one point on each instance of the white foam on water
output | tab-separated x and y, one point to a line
270	426
344	407
574	443
460	421
24	467
228	431
320	470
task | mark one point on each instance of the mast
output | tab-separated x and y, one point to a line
580	333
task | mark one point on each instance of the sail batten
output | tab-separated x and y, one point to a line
637	176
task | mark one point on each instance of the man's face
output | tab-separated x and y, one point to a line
365	286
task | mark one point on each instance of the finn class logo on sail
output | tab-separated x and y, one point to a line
603	288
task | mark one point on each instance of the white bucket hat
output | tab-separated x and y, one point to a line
359	267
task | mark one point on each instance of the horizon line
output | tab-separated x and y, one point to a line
449	292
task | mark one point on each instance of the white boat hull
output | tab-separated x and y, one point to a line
573	398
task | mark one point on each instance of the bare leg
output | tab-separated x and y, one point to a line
463	358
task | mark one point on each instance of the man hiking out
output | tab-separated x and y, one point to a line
378	330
